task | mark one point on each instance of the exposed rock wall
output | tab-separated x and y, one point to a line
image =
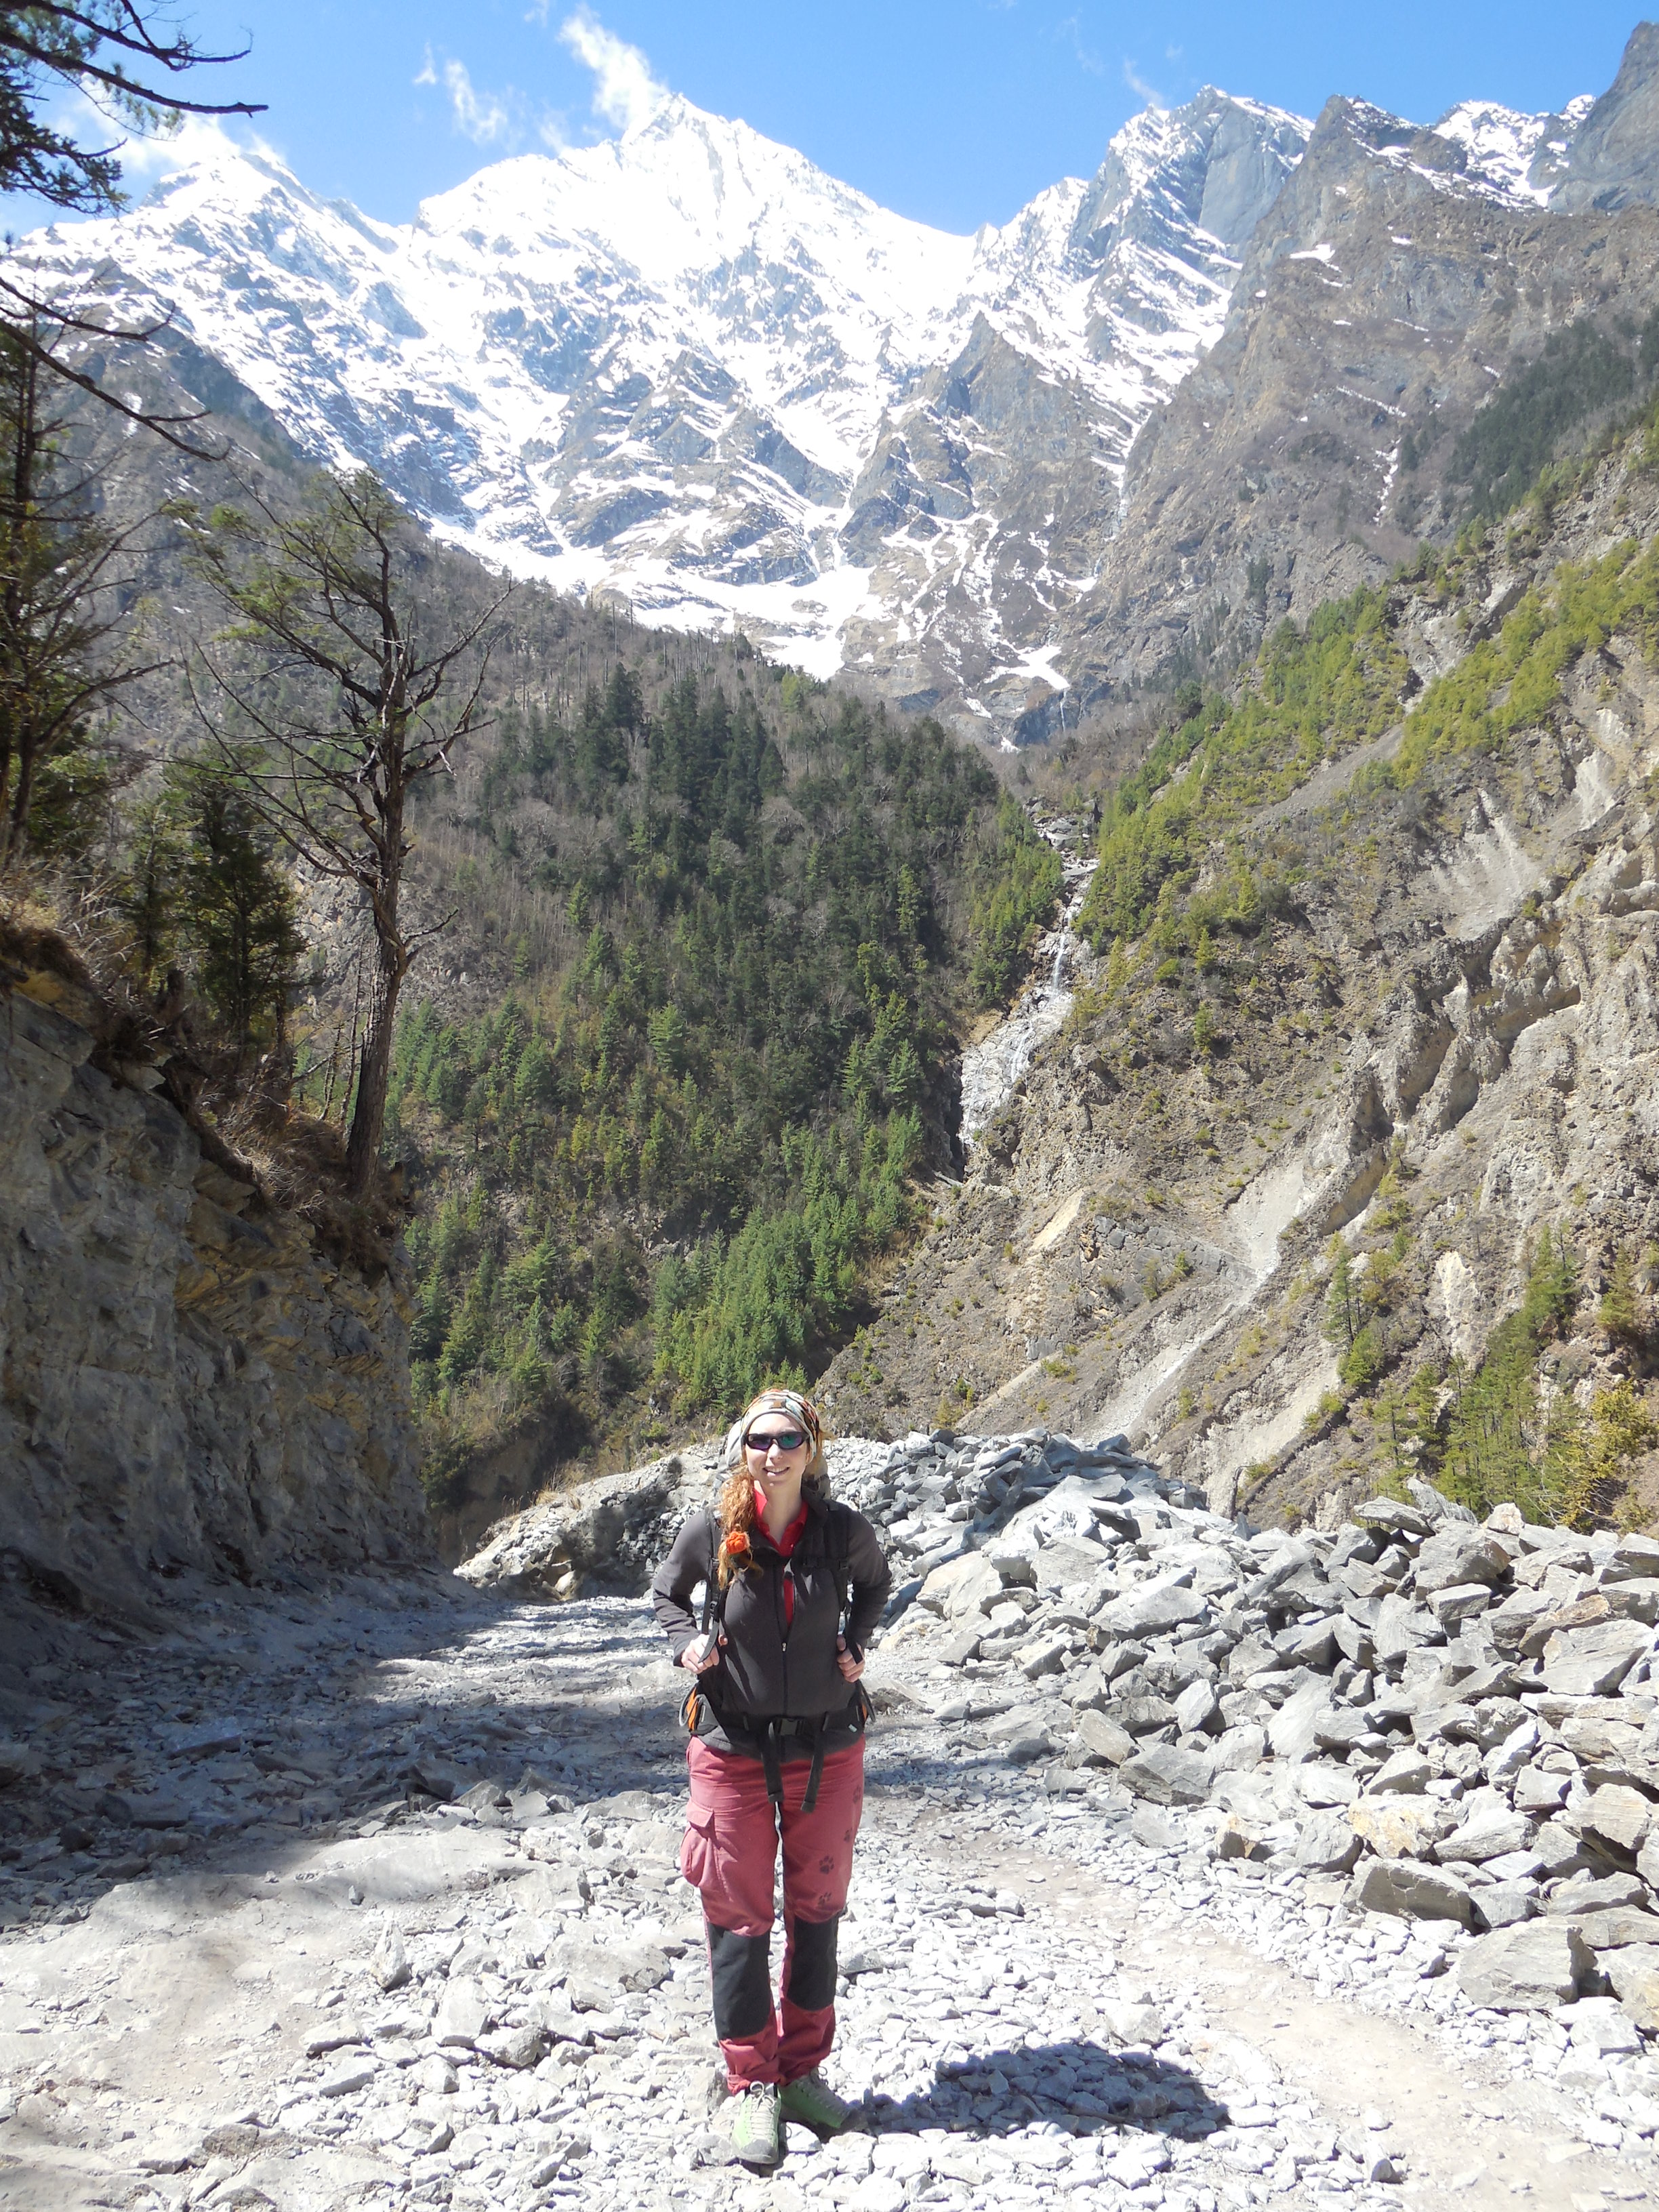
186	1380
1138	1244
1378	296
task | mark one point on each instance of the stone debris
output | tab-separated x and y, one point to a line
421	1937
1453	1716
607	1533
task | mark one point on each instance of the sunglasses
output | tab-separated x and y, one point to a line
787	1440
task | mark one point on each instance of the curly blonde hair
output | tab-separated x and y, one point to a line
735	1509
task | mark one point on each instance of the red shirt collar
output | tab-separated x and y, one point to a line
786	1543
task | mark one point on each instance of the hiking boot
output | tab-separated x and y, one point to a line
813	2102
756	2132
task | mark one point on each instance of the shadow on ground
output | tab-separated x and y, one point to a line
1084	2087
264	1726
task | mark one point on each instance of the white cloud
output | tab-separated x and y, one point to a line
1139	86
485	118
145	159
1070	29
198	138
624	92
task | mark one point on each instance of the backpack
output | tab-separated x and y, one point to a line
713	1612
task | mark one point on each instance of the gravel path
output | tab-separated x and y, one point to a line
252	1962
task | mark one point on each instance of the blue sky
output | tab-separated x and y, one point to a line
952	111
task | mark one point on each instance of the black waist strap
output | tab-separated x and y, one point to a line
769	1735
808	1803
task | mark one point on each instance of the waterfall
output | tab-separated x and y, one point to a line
993	1069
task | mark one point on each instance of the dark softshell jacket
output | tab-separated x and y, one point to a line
767	1671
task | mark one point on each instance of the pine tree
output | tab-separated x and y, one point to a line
147	888
1341	1302
240	915
62	592
1619	1312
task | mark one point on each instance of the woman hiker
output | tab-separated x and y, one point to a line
794	1587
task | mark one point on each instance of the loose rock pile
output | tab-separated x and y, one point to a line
1432	1720
606	1533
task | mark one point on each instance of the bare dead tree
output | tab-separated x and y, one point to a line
324	697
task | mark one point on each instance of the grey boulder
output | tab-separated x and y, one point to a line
1152	1609
1102	1743
1411	1891
1328	1845
1634	1973
1619	1815
1636	1559
1592	1662
1503	1903
1166	1775
517	2047
1617	1930
1394	1516
390	1963
1400	1626
1455	1554
1407	1774
463	2014
1295	1729
1197	1708
1532	1967
1488	1836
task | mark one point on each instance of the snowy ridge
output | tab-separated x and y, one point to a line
660	366
1525	156
688	368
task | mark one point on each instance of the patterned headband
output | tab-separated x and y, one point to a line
775	1401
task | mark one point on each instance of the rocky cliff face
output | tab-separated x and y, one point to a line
1615	159
1391	288
187	1381
1446	1048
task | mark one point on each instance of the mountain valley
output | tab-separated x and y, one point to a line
1058	840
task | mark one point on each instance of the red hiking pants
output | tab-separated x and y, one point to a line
730	1854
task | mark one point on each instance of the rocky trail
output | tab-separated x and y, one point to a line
370	1896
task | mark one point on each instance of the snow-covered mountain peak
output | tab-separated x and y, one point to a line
688	366
1212	167
1525	156
227	187
686	196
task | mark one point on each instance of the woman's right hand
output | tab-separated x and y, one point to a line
689	1657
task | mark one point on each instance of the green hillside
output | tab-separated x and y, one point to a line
736	922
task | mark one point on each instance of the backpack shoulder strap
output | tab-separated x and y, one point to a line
713	1598
841	1549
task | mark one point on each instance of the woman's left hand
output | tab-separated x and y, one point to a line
851	1668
